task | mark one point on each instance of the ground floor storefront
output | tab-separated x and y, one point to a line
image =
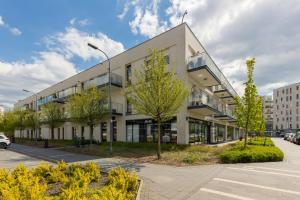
196	131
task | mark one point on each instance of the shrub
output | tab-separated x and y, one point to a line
252	154
191	158
111	193
123	180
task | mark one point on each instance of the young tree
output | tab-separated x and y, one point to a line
52	116
87	108
19	116
32	121
157	92
8	123
248	110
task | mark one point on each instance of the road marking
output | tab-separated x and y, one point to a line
274	169
274	173
257	186
60	155
225	194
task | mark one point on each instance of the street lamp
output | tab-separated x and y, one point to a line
36	110
185	13
109	96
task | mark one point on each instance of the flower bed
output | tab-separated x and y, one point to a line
68	182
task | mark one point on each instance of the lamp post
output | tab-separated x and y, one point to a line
185	13
36	110
109	96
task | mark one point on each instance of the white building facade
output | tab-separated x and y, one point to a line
205	117
286	108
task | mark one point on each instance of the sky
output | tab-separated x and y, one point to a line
44	42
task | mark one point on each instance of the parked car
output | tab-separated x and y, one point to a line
4	142
296	138
286	136
290	137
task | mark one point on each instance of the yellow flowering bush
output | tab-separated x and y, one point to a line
66	182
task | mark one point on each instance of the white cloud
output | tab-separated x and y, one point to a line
81	22
15	31
1	21
146	19
73	42
53	65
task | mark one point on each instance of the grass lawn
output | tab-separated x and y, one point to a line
145	152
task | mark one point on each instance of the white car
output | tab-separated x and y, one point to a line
4	142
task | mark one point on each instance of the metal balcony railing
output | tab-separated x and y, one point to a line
205	60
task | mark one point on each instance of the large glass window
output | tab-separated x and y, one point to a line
128	74
198	131
104	132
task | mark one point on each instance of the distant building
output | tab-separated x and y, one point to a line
286	108
268	112
1	110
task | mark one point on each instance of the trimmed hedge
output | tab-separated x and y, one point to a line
253	153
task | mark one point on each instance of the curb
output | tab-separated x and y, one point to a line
33	155
138	195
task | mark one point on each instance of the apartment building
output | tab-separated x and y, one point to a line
286	108
206	116
268	112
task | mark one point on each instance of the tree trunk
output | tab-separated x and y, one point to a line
158	140
91	133
52	133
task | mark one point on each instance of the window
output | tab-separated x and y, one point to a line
167	59
287	98
128	74
297	118
128	107
282	91
297	96
290	98
290	90
277	93
297	125
297	103
290	112
275	100
287	91
277	107
297	87
281	99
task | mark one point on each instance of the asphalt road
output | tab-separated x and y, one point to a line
257	181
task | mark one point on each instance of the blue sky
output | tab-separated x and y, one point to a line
44	42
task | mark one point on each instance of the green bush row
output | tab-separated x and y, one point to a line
252	154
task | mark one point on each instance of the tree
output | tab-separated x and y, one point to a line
8	123
87	108
52	116
157	92
32	121
19	116
248	109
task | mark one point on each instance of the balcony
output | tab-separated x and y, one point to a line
102	81
203	69
202	103
116	108
226	115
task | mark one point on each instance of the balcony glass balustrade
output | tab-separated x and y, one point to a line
199	98
202	60
103	80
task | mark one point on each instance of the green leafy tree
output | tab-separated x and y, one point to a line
248	109
87	108
32	121
157	92
52	116
19	123
8	123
